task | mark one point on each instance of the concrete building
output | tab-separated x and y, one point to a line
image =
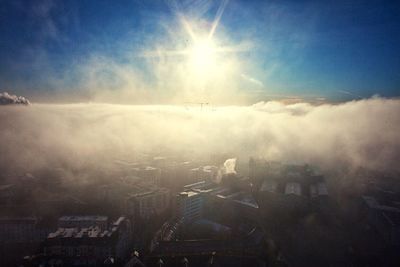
204	173
270	186
83	222
21	236
191	201
7	194
148	203
190	205
203	198
89	246
22	230
293	189
148	174
318	190
384	218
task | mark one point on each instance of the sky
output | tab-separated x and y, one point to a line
140	51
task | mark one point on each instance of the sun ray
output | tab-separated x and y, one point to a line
187	26
182	19
217	18
202	56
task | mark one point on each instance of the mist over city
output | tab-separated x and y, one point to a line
199	133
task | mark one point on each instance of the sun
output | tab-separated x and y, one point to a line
202	56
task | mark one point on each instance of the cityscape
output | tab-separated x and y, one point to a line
174	212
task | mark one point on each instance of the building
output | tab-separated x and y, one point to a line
384	218
7	194
21	236
204	173
191	201
89	246
293	189
190	205
318	190
203	198
153	201
148	174
244	247
22	230
83	222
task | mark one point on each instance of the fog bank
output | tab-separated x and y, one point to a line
362	133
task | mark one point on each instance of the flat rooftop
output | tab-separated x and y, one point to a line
293	188
269	186
83	218
188	194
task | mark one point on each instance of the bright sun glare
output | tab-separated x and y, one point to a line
202	60
202	56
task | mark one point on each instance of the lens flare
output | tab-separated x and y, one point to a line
203	56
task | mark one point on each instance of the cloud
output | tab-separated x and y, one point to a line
300	108
362	133
7	99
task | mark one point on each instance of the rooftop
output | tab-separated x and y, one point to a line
83	218
393	218
195	185
270	186
188	194
293	188
85	232
151	191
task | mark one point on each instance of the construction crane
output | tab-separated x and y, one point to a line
198	103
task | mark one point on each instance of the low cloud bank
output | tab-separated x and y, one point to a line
362	133
7	99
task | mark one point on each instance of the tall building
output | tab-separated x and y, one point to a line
190	205
146	204
384	218
149	174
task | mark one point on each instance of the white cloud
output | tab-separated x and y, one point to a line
7	99
358	133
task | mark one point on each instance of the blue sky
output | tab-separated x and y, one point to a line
337	50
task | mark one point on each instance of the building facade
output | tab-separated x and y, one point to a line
83	222
89	246
149	203
190	205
